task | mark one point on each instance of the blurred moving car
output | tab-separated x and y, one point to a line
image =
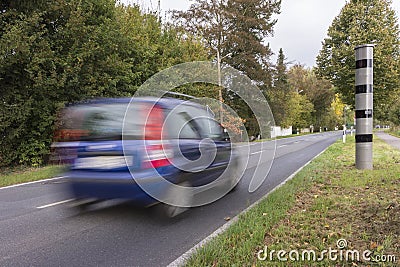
163	138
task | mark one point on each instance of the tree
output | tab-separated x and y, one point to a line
235	30
53	52
361	22
299	111
278	95
318	91
250	23
62	51
394	113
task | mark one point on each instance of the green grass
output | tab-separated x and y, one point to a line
395	133
24	174
328	200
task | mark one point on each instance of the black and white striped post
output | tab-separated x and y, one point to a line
364	105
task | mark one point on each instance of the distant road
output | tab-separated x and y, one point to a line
38	230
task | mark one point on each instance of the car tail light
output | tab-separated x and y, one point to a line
157	156
157	152
153	124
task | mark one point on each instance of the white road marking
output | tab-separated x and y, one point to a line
56	203
282	146
254	144
34	182
258	152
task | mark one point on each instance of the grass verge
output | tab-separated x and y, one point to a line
23	175
395	133
327	201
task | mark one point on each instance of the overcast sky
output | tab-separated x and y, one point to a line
301	27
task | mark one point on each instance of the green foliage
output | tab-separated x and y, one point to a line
278	96
299	98
363	22
236	29
394	114
318	91
299	111
55	52
281	75
249	22
278	102
26	69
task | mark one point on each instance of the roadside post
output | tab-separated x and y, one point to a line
344	133
364	106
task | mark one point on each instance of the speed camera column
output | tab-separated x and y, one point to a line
364	106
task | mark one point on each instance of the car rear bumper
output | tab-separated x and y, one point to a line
112	185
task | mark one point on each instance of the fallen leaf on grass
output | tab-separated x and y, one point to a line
373	245
331	234
390	206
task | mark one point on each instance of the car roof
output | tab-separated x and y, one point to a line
166	102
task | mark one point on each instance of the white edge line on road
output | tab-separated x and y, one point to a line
56	203
185	256
34	182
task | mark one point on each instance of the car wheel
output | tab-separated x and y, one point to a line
185	199
232	179
83	204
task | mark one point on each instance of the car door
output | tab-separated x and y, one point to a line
214	131
185	139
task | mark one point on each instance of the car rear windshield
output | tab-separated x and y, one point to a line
97	122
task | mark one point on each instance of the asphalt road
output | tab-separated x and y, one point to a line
118	234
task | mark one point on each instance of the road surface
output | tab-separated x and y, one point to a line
37	229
